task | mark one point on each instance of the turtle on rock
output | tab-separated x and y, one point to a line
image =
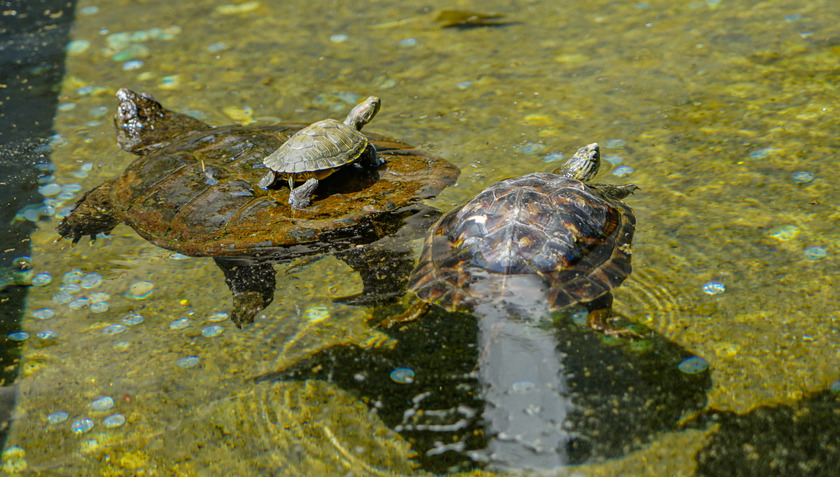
320	149
194	189
529	245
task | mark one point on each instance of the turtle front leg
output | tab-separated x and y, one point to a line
267	180
91	216
301	196
252	284
600	311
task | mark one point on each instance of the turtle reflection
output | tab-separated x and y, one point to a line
513	394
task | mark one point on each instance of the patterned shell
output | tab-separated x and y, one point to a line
327	144
549	237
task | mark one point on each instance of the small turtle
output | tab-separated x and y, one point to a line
320	149
536	243
193	189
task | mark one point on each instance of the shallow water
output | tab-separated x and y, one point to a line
716	106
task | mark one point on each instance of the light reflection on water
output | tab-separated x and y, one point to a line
717	110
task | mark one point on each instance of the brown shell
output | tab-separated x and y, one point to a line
550	237
198	195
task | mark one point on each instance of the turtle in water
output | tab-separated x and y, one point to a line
194	190
320	149
531	244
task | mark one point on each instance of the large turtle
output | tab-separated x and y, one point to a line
194	190
540	242
318	150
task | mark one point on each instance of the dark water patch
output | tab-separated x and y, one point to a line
801	439
434	387
32	53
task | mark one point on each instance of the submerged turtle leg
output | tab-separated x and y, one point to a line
385	264
416	311
301	196
91	216
600	311
252	284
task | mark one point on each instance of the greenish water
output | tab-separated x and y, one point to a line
716	107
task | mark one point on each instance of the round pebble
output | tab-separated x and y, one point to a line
803	177
132	65
760	153
614	159
43	313
408	42
622	171
62	196
179	324
218	46
79	303
713	288
114	329
99	296
49	190
102	404
81	426
317	313
70	288
614	143
835	388
73	276
114	420
66	106
79	174
212	330
57	417
815	253
140	290
580	317
132	319
784	232
170	82
98	111
793	17
464	84
99	307
218	316
61	298
41	279
522	387
187	362
90	280
402	375
46	335
47	179
530	148
340	38
71	187
554	157
693	365
77	46
90	10
18	336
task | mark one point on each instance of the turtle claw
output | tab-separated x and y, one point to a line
599	321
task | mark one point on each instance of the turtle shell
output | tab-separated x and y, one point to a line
317	150
198	195
536	238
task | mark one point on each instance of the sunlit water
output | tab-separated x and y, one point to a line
722	112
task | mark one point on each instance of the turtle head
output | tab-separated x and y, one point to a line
142	123
583	165
363	113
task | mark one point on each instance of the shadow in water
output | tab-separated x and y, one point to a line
802	439
32	40
508	394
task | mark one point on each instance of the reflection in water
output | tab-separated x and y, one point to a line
514	394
